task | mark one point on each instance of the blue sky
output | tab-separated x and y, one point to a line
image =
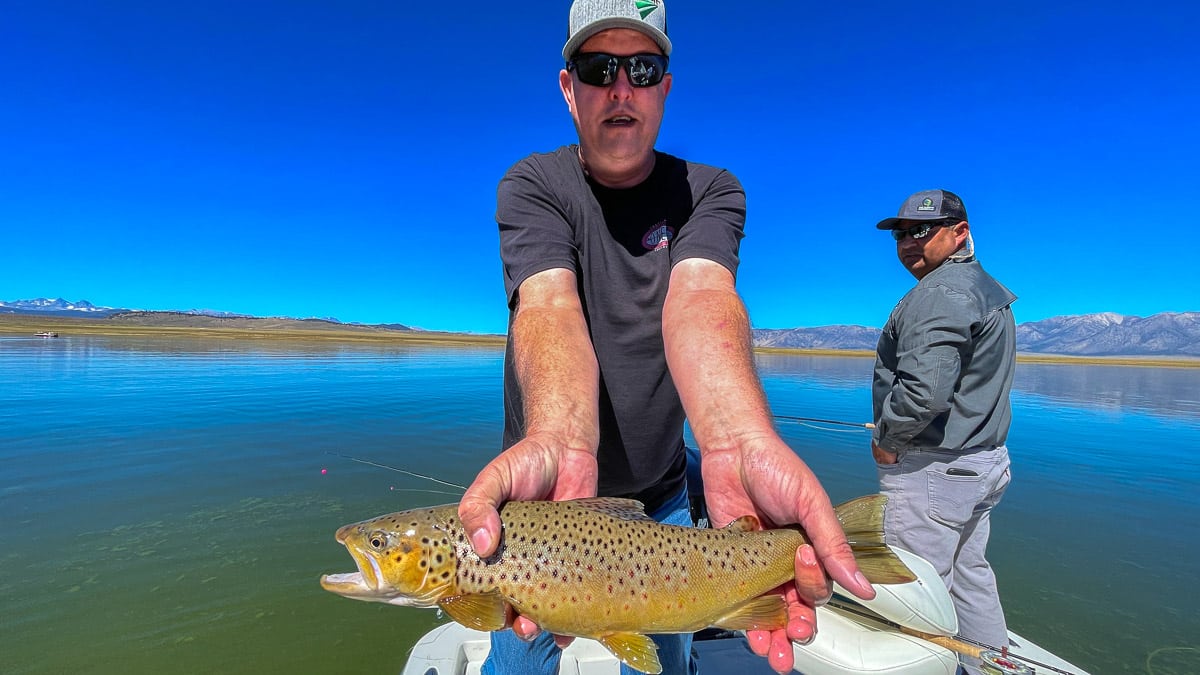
326	159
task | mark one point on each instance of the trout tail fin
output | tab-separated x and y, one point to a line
862	519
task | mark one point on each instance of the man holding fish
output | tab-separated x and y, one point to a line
619	265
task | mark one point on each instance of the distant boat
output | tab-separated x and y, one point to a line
46	334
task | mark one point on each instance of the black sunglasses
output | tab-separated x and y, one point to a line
921	230
600	70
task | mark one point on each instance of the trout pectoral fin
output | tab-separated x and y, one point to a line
766	612
862	519
481	611
634	650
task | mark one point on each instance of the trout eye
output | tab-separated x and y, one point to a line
378	541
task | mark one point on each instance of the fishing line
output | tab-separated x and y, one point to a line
403	471
1161	650
432	492
832	431
838	422
1006	653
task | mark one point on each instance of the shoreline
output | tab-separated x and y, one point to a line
24	325
1022	357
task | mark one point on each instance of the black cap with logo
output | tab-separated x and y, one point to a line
927	205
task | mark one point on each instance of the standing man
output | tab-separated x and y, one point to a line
943	371
619	266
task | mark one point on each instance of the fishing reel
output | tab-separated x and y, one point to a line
997	663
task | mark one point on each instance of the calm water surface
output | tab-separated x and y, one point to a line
168	505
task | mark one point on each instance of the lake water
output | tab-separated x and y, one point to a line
168	505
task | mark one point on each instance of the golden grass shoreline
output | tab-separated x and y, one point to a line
241	329
22	325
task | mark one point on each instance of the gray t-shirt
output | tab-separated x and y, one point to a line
621	245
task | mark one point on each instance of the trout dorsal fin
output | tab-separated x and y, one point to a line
617	507
743	524
634	650
766	612
481	611
862	519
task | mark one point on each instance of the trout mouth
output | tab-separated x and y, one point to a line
383	559
363	584
349	584
368	582
359	585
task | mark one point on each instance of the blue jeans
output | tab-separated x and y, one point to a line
512	656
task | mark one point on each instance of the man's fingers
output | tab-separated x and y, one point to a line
802	618
563	641
780	656
759	640
849	576
835	556
482	523
479	507
811	583
525	629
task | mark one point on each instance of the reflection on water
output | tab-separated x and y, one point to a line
824	371
85	346
1156	390
169	504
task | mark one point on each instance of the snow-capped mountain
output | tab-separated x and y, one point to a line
55	306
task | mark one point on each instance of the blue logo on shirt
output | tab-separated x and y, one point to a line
659	236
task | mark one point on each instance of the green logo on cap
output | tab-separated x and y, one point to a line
646	7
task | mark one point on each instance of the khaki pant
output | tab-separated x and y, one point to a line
939	507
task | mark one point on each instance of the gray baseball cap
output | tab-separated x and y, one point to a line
589	17
927	205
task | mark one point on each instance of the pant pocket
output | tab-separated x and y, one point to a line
952	499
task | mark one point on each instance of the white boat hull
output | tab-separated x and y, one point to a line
853	638
844	647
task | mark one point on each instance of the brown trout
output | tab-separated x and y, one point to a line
598	568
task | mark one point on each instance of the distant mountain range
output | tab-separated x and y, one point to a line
1105	334
56	306
192	318
823	337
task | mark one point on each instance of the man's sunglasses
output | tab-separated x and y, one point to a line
920	231
600	70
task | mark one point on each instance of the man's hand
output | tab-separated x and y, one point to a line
765	478
883	456
538	467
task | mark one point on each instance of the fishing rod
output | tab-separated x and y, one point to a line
792	418
998	659
392	468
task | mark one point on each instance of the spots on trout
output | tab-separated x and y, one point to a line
558	561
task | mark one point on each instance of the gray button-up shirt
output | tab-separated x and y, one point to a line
944	364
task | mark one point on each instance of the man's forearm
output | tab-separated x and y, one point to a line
706	333
899	422
558	375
